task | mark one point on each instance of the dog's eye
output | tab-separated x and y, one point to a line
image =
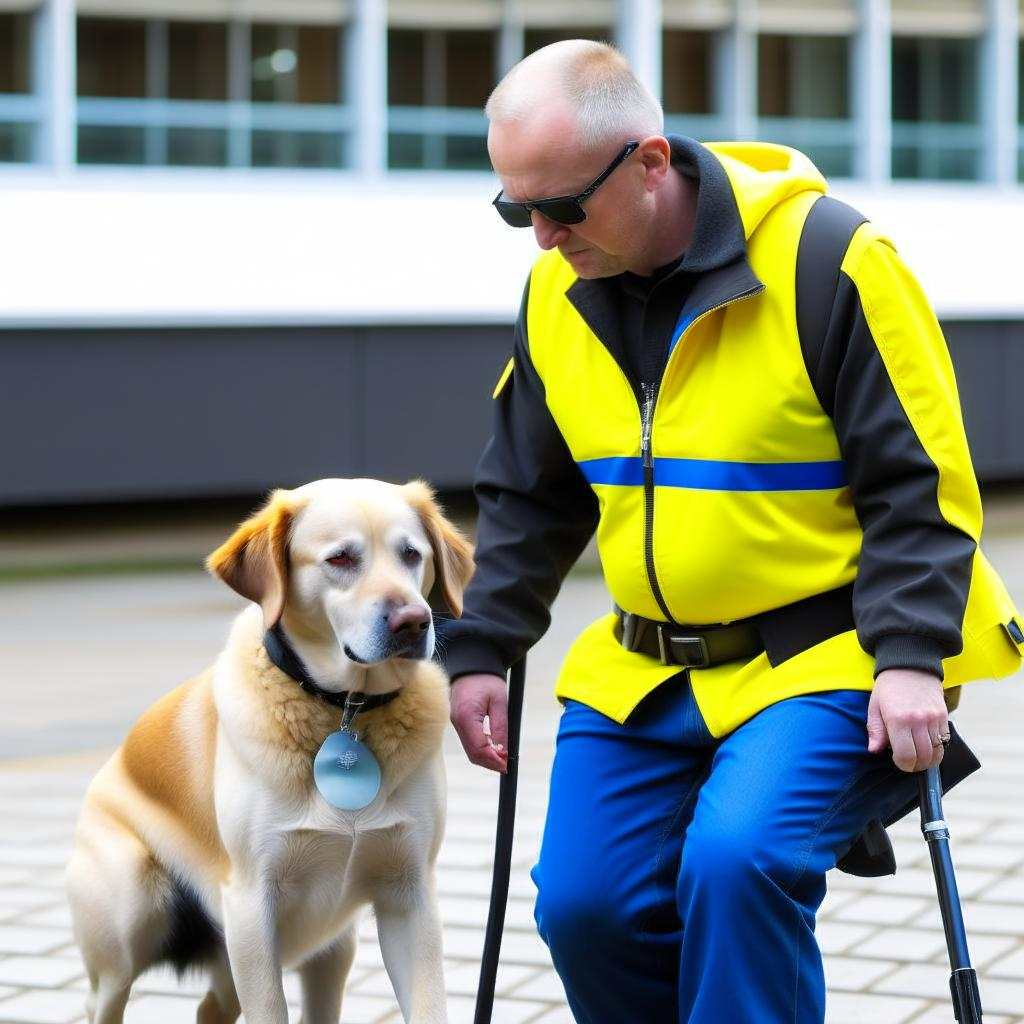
343	559
411	556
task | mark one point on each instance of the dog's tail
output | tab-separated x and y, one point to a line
193	937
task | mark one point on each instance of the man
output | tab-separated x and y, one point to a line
809	504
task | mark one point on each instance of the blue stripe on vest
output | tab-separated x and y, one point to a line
709	475
682	324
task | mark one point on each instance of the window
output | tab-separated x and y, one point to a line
15	51
803	76
1020	110
111	57
935	108
686	76
451	72
803	97
296	64
197	61
17	127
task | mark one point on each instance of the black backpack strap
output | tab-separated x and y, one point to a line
827	233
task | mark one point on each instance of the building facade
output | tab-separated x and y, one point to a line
349	135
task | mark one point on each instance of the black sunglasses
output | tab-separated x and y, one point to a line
560	209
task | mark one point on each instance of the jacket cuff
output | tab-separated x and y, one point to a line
470	655
908	651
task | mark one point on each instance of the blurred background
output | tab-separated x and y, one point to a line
246	243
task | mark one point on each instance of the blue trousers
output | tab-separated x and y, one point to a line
679	875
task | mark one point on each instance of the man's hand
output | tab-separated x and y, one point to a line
907	713
473	698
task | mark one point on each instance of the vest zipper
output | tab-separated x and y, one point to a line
650	398
649	394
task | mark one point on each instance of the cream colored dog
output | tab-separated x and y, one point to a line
204	842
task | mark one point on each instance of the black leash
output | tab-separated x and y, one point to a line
502	848
963	982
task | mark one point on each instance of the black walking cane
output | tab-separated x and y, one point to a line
502	848
963	982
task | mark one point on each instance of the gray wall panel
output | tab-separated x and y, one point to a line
988	358
428	401
109	415
104	415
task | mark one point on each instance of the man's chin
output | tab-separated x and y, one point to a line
588	266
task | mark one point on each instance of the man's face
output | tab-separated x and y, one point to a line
539	160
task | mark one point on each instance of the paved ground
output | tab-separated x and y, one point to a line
80	657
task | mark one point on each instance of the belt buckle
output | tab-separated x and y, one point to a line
688	651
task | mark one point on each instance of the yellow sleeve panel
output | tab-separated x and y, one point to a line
915	355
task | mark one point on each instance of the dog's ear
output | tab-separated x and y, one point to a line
453	553
253	561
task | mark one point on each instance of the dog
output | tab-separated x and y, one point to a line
205	842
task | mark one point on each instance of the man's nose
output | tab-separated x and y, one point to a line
548	233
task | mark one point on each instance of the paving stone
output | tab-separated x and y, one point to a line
42	1007
901	944
506	1011
40	971
999	995
17	939
993	918
1008	890
559	1015
1011	966
984	949
882	910
18	856
29	897
545	986
838	937
472	912
944	1015
461	978
988	854
854	974
525	948
1011	832
56	916
861	1008
834	899
921	882
160	1009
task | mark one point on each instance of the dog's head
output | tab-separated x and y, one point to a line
352	558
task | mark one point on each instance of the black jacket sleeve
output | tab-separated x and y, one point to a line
536	514
900	432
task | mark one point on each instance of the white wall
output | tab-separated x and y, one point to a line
153	248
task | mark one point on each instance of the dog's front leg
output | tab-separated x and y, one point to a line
409	929
251	937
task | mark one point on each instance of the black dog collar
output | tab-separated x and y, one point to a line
283	655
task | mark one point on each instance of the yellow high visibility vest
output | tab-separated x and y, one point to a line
750	509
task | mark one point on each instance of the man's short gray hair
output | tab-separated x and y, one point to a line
611	103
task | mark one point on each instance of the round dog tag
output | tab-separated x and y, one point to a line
346	772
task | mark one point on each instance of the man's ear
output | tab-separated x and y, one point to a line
253	561
453	553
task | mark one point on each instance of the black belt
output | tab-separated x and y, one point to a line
782	633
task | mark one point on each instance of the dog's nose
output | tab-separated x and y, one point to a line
408	622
